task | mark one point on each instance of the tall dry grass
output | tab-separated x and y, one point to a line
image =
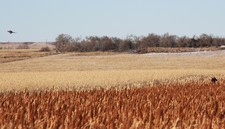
190	105
101	78
77	70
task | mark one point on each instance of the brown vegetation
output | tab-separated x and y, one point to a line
45	49
25	45
65	43
22	54
191	105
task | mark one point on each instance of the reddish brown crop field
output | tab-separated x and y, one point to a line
190	105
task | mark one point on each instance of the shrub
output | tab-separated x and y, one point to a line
45	49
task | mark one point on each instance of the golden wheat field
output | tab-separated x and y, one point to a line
89	70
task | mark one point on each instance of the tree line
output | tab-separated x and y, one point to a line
66	43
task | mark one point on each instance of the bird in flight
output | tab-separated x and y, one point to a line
11	32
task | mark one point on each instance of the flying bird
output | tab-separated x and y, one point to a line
10	31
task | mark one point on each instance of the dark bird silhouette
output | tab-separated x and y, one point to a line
11	32
213	80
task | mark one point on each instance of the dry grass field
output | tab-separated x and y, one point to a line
89	70
10	52
114	90
20	54
31	45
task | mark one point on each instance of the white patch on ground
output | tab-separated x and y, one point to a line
199	53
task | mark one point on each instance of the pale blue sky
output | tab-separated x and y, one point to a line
41	20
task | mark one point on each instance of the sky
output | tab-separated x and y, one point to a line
44	20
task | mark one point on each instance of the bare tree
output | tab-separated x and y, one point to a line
205	40
168	40
63	42
152	40
183	41
126	45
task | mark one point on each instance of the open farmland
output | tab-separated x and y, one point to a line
114	90
89	70
10	52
